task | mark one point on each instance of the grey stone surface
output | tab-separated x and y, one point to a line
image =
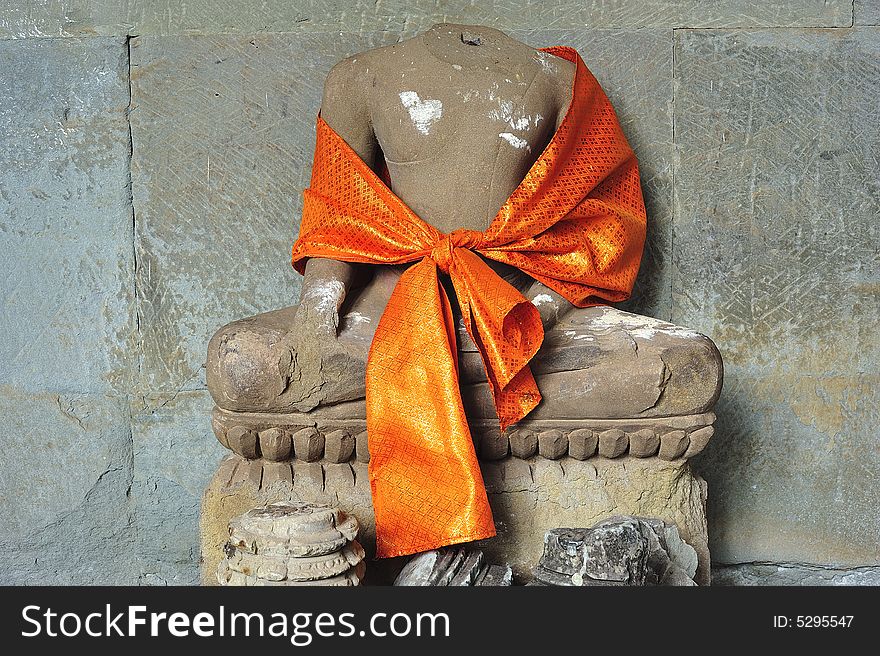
65	215
793	574
866	12
24	18
175	455
775	256
223	132
64	482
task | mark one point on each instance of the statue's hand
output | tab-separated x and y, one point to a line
312	339
551	306
318	313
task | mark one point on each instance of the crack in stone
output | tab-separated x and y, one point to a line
68	412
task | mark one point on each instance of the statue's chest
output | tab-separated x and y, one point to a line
502	120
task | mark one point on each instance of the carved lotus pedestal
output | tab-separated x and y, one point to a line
627	401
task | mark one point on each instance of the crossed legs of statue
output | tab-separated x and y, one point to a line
644	386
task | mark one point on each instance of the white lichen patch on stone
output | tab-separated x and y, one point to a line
542	299
325	295
515	141
513	116
573	334
423	113
637	325
356	318
547	63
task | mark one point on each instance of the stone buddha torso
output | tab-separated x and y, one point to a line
460	116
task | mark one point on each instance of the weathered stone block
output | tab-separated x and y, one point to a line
523	443
866	12
68	320
776	258
223	133
494	445
793	574
362	447
308	444
275	444
582	443
67	518
243	441
643	443
276	471
21	18
552	444
338	446
673	445
612	443
175	455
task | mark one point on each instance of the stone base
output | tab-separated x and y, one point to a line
528	498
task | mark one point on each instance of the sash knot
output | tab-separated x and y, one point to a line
461	238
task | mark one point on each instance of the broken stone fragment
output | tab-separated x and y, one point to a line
495	575
292	568
295	529
292	543
628	551
453	566
228	576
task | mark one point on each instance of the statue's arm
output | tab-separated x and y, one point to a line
345	108
552	306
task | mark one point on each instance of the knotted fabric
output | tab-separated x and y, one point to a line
575	223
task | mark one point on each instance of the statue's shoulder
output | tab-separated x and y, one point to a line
555	77
362	68
557	72
348	75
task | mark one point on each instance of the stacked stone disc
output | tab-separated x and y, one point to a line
292	543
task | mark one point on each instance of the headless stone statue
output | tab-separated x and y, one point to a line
458	115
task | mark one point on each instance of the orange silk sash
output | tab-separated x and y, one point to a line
576	223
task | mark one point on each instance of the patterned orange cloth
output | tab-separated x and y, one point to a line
576	223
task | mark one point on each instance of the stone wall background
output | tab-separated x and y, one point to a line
152	156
